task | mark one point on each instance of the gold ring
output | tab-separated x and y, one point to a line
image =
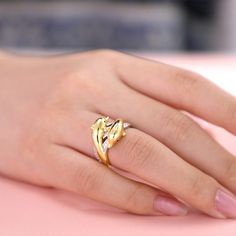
105	134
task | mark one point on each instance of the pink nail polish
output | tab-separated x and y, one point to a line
169	206
225	203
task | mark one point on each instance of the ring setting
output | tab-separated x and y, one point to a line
105	134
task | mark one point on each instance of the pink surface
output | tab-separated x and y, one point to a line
31	210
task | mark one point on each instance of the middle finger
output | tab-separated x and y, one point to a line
178	132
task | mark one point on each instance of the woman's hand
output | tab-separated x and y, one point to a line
48	105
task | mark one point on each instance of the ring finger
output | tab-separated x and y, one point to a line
76	172
145	157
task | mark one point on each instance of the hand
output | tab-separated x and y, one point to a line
48	104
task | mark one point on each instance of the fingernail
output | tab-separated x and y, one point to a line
226	204
169	206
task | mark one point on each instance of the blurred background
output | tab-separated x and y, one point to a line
141	25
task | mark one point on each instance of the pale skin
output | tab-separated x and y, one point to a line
48	105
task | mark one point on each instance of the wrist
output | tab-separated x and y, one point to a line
17	99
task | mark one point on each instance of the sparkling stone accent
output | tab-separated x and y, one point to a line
105	145
96	154
126	125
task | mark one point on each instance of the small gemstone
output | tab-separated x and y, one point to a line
126	125
105	145
96	154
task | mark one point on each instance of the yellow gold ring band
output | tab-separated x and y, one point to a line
106	134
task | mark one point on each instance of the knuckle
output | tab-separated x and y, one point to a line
230	174
199	190
83	81
188	81
139	151
178	126
66	85
73	78
132	200
196	186
87	179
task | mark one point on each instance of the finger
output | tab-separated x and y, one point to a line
206	126
179	88
180	133
142	155
76	172
150	160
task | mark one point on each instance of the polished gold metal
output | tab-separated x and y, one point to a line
105	135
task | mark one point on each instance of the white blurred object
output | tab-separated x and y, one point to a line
219	68
226	25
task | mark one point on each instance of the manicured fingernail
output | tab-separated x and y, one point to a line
168	206
226	204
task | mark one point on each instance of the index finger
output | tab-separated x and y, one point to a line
180	88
